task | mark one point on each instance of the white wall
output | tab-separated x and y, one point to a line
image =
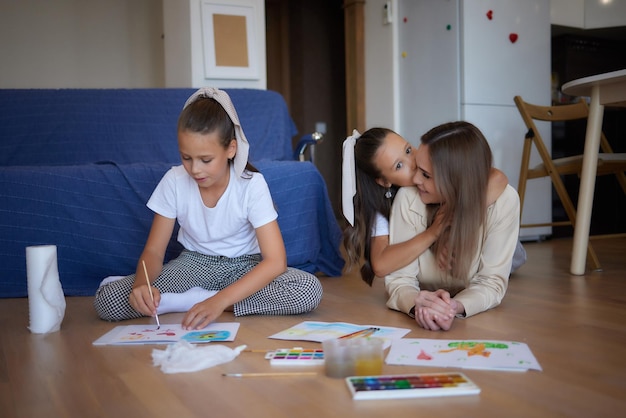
112	44
186	44
380	69
81	44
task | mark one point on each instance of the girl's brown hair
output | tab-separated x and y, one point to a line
369	200
206	115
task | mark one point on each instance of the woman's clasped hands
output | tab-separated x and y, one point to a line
436	310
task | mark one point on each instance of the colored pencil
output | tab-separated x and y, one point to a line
145	270
270	374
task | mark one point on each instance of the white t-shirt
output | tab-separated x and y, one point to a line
381	226
228	229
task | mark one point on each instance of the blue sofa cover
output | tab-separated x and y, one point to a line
78	165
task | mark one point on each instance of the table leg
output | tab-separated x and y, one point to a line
587	184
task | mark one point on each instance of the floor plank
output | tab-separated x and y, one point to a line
575	326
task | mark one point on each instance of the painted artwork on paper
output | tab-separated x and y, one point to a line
469	354
167	334
321	331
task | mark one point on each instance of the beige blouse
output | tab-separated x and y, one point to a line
490	269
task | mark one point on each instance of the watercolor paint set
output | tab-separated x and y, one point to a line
296	356
411	386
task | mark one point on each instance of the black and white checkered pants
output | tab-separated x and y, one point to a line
293	292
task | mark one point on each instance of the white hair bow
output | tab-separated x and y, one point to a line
241	157
348	177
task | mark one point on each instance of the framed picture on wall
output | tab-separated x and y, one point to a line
228	37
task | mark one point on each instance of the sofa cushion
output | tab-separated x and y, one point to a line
97	217
95	214
81	126
305	216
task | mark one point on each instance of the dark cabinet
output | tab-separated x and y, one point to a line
576	56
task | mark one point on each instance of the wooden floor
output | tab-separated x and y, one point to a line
575	326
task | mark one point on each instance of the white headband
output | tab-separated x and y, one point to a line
241	157
348	177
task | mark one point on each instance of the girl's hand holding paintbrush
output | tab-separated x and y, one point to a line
141	301
144	297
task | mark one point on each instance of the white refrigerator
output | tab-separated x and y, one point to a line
467	59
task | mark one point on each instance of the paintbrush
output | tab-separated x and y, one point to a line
150	289
361	333
270	374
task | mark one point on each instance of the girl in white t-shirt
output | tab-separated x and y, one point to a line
234	256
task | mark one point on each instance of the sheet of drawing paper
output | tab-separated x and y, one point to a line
320	331
168	334
468	354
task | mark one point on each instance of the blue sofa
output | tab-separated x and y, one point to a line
78	165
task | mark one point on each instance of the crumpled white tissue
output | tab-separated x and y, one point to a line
184	357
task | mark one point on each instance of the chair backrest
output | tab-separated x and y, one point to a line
556	113
530	113
578	110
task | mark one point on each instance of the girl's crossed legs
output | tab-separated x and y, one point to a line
293	292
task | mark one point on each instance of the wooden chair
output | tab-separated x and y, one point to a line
608	162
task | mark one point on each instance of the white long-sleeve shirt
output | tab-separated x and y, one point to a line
491	266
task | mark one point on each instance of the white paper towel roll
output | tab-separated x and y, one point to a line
46	301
